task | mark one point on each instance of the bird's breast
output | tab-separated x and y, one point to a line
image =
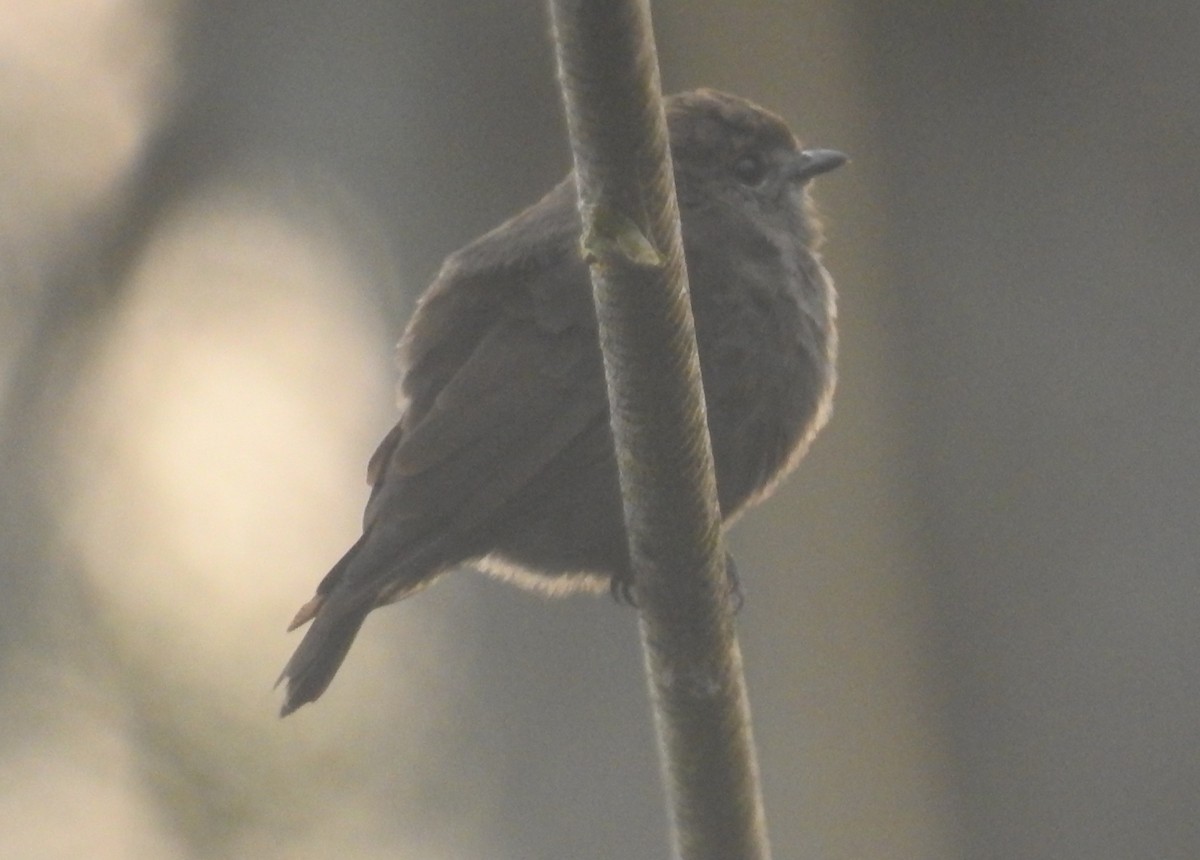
766	342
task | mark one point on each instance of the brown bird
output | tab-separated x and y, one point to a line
503	456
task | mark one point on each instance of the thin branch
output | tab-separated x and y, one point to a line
609	75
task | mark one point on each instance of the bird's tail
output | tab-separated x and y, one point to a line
322	650
337	613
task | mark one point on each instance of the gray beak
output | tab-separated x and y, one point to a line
814	162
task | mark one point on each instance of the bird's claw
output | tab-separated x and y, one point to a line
734	581
622	591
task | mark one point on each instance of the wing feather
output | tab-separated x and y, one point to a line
503	373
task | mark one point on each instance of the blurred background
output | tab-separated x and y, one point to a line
972	619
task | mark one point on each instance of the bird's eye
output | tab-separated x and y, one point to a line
750	170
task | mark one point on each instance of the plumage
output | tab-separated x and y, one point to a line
503	456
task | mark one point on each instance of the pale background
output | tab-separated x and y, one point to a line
972	620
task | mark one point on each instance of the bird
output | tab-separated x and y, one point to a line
503	458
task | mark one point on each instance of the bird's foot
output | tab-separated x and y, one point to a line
734	581
622	591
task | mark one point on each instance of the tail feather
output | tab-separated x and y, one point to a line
337	612
321	652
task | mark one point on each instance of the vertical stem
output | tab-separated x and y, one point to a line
609	75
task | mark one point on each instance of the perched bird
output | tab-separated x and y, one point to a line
503	456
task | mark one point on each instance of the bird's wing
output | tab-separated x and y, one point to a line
504	371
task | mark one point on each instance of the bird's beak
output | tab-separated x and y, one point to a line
814	162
